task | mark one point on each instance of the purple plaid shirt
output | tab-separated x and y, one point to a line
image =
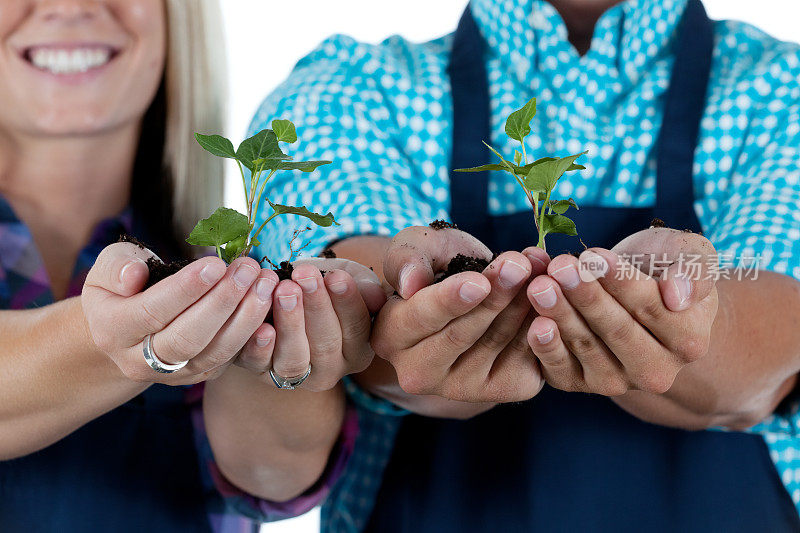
24	284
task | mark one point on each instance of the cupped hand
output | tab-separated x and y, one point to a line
625	319
203	314
322	321
463	338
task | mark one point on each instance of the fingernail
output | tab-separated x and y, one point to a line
405	274
512	274
684	287
245	275
308	284
287	303
545	337
263	341
592	266
338	287
264	289
127	267
212	273
546	298
567	276
538	264
472	292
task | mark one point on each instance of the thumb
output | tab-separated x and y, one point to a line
684	263
120	269
416	254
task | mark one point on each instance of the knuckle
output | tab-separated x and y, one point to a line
416	319
582	346
692	348
589	298
650	311
151	319
328	347
415	381
519	344
357	329
290	368
496	338
494	304
656	382
610	386
456	336
620	332
183	346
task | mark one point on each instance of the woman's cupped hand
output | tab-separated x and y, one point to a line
214	315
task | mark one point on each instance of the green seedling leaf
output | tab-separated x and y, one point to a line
277	164
222	227
263	145
482	168
319	220
557	224
518	124
216	144
234	248
284	130
543	176
561	206
517	157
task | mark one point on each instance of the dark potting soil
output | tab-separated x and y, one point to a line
284	271
462	263
160	270
328	254
442	224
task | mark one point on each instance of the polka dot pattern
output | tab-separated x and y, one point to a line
383	113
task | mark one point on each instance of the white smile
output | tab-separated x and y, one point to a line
69	61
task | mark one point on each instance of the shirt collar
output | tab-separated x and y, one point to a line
530	37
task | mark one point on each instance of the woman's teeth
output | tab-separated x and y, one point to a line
73	61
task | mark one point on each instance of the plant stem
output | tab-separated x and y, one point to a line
258	231
541	221
261	196
219	252
524	155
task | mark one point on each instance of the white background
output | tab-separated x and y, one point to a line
265	38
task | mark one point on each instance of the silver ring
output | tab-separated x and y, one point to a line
289	383
155	363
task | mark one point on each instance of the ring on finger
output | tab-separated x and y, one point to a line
289	383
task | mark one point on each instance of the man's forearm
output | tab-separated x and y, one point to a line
271	443
53	379
752	363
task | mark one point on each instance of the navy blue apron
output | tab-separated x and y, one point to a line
132	470
565	461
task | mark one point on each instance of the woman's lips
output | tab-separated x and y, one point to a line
69	59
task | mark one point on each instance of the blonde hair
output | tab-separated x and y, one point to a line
194	87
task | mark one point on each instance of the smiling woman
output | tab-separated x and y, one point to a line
100	99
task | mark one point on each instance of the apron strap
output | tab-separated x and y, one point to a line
469	192
683	112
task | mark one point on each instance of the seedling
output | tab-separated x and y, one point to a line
232	233
537	179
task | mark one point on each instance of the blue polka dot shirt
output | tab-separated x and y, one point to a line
383	114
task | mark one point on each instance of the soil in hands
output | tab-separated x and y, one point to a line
442	224
328	254
462	263
284	270
158	269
